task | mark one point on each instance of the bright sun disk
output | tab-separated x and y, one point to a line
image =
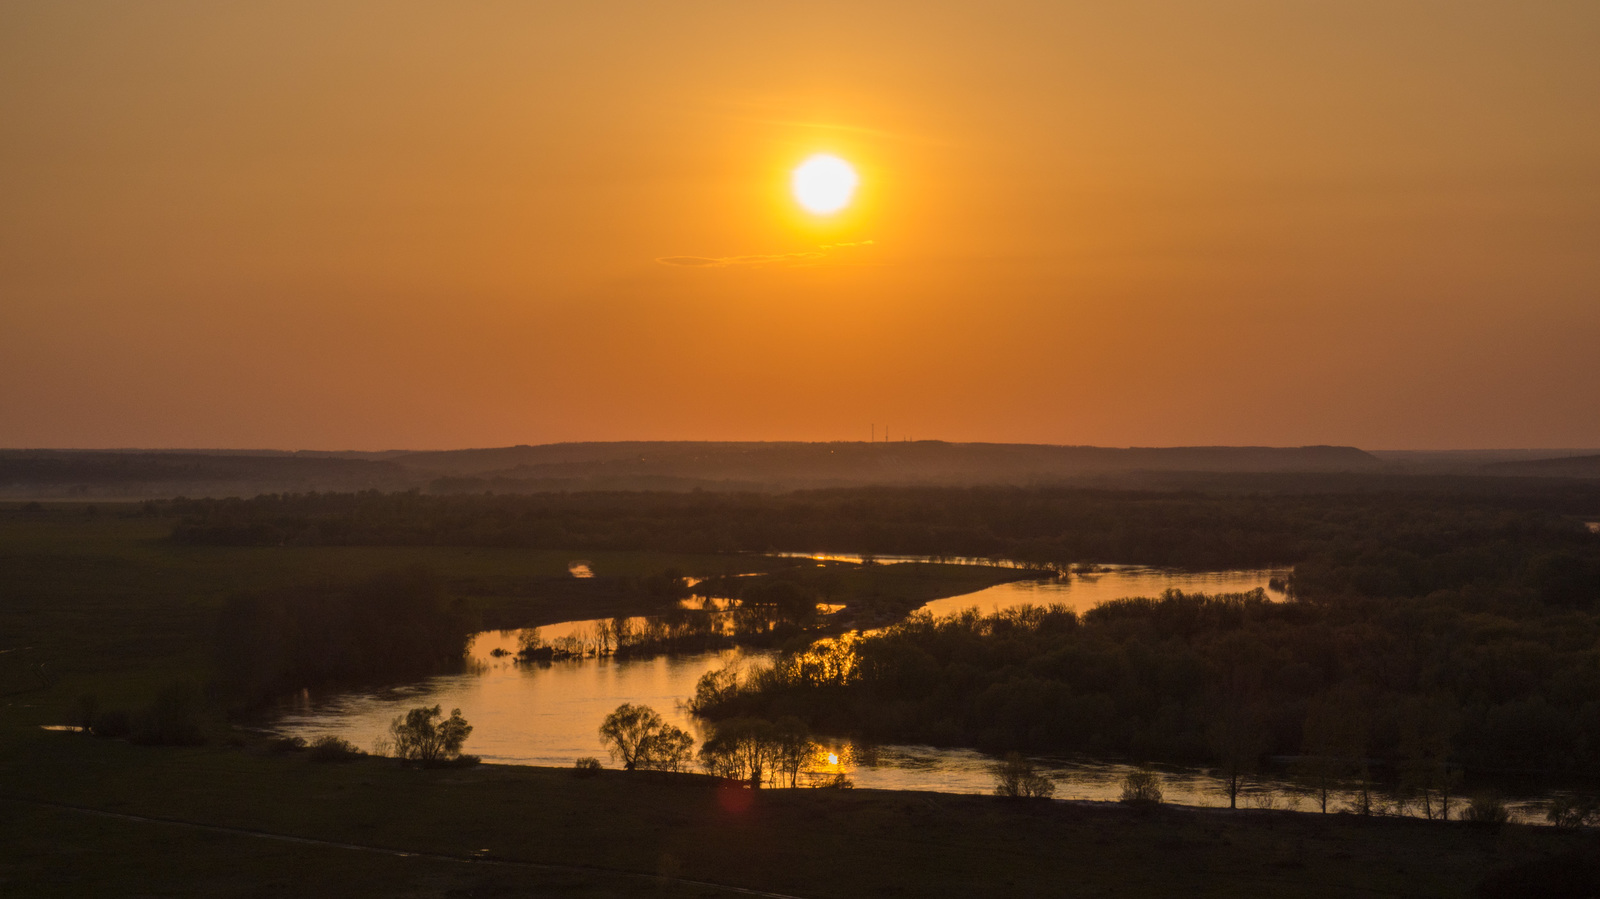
824	184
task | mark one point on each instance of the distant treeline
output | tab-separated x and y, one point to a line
1372	542
22	468
390	626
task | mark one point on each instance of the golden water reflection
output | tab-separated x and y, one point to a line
1083	591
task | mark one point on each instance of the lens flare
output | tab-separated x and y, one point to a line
824	184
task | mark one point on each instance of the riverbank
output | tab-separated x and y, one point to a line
623	834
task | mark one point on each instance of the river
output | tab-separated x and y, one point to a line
548	714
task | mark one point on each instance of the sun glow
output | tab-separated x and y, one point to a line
833	758
824	184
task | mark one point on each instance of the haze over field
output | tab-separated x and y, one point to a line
399	224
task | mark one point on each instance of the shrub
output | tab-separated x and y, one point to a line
1487	809
1141	788
1573	812
1016	777
587	767
333	749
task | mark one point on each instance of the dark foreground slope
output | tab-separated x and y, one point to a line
211	822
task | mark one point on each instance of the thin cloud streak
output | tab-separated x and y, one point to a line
737	261
811	257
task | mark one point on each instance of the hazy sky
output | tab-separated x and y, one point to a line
390	224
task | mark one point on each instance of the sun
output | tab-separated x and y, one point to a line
824	184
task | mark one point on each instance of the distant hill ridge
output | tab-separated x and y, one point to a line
659	465
859	461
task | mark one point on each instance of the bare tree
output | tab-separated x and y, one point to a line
746	749
1333	745
1141	788
1016	777
1426	775
793	748
1237	739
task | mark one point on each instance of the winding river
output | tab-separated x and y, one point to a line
548	714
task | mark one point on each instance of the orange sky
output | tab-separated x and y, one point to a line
422	225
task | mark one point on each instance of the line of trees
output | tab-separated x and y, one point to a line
752	751
1438	525
393	625
1427	687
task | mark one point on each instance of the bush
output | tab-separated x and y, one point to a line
333	749
587	767
287	744
1016	777
1141	788
1573	812
1487	809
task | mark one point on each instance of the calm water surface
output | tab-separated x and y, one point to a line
1081	592
549	714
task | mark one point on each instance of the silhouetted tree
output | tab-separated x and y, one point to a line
638	737
756	751
1142	788
1237	739
420	736
1015	777
1333	746
1426	775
